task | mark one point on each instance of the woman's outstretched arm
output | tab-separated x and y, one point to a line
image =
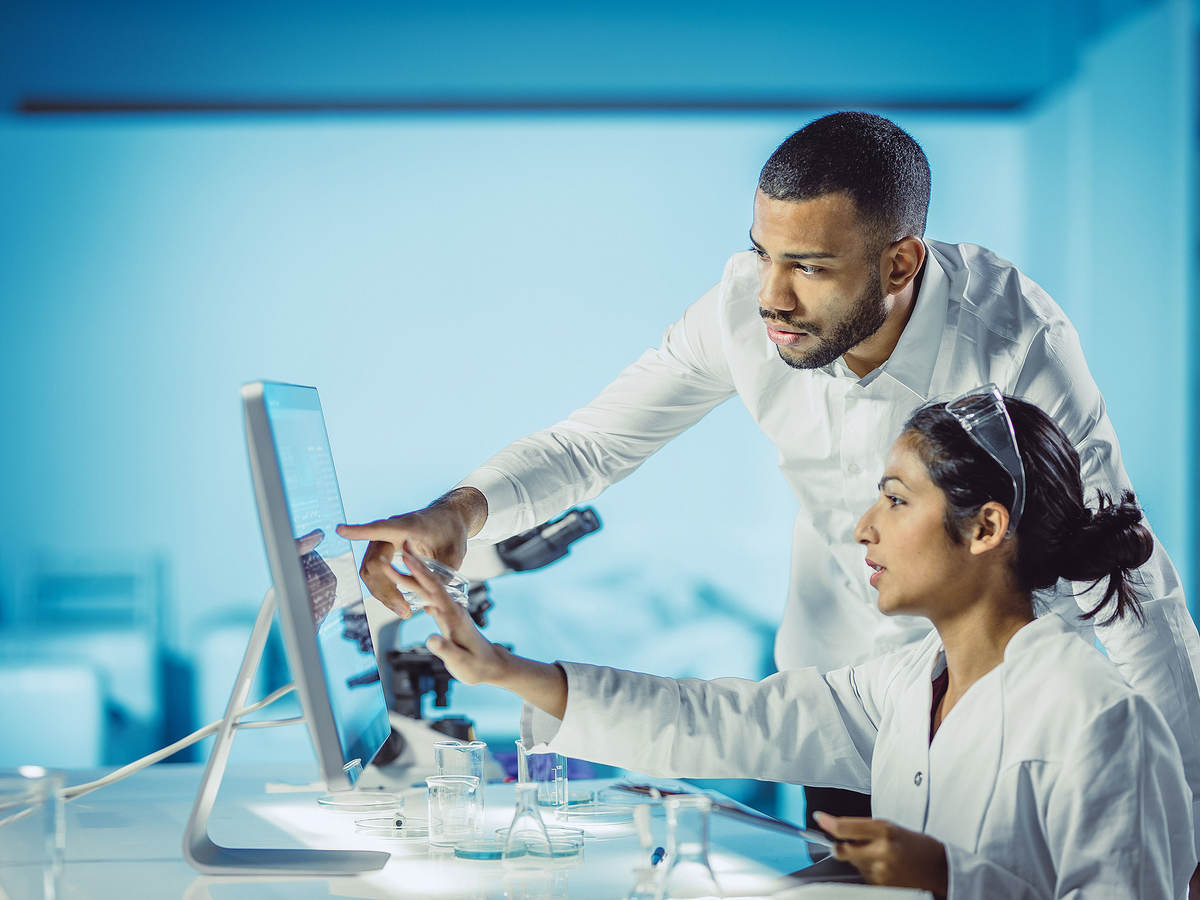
473	659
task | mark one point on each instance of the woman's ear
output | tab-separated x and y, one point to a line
989	528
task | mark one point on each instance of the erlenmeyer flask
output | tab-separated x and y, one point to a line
527	831
645	884
689	873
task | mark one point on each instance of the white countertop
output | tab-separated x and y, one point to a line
125	841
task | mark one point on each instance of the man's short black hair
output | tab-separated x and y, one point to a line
870	158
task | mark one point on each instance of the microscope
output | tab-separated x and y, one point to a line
409	673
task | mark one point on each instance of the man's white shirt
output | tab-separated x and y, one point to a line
976	319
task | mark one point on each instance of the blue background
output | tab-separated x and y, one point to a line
459	223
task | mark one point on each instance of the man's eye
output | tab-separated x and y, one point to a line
807	270
762	254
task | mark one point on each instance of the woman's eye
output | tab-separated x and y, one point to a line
893	500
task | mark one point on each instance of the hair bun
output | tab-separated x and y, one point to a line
1111	537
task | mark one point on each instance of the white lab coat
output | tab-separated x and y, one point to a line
1049	778
977	319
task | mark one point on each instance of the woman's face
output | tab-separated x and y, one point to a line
912	561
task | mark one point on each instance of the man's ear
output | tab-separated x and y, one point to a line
989	528
901	262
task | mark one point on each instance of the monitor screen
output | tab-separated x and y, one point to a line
327	586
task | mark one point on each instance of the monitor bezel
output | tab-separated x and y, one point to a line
295	610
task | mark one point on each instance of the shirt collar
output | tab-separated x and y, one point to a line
913	360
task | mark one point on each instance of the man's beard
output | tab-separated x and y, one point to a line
865	317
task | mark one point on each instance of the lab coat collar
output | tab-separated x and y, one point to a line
912	362
1042	627
1029	634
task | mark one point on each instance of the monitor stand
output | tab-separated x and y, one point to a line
210	857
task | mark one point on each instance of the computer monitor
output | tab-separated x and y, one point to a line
315	584
315	577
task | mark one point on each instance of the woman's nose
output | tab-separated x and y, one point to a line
864	531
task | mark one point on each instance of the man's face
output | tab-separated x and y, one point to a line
820	292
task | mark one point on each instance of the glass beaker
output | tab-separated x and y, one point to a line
548	771
527	831
454	813
32	832
454	757
688	873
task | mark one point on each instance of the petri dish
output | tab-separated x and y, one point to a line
564	842
360	801
393	827
559	848
596	812
554	832
484	848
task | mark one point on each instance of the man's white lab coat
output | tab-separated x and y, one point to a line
1049	778
976	319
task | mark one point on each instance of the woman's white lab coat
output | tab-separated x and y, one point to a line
1049	778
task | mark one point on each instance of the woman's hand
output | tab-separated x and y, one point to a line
888	854
470	657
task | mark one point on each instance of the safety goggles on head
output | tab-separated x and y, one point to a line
983	416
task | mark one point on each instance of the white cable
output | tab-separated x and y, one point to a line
271	723
78	790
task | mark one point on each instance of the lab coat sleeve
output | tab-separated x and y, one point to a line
653	400
796	726
1160	659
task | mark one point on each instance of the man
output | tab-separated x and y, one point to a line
838	322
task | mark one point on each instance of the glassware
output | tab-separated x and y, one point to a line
32	832
548	771
456	586
454	813
453	757
645	884
688	872
527	832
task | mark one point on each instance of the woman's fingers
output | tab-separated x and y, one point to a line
849	828
449	616
851	836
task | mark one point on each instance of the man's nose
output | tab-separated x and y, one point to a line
775	293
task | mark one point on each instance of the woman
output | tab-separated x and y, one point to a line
1005	756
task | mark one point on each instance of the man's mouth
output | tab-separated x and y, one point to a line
784	337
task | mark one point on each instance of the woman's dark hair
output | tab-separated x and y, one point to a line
1058	535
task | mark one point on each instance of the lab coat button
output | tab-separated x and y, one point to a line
853	468
917	779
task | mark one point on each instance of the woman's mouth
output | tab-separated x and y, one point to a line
878	570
